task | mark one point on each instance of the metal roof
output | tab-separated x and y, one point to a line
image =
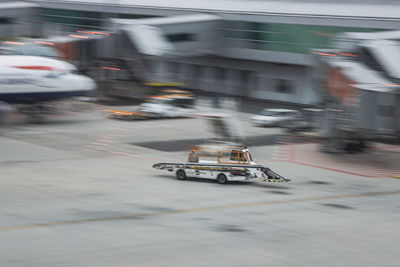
167	20
149	40
382	9
365	78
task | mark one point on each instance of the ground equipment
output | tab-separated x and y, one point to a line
222	162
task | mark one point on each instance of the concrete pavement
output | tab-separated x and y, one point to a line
78	191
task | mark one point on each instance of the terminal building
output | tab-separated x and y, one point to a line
254	49
16	18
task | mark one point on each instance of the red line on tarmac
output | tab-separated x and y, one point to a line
383	174
332	169
123	154
290	152
101	148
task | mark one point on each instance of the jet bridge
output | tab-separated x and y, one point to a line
142	49
361	103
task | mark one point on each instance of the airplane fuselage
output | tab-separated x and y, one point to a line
31	79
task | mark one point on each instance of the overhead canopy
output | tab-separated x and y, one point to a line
192	18
16	5
341	8
149	40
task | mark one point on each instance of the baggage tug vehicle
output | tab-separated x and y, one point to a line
158	107
222	162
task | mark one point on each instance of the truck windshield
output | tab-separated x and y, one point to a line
250	157
237	156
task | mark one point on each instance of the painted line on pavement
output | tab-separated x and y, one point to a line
335	170
210	208
8	162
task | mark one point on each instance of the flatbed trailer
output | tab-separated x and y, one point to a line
239	167
222	173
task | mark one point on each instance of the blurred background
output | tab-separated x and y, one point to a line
344	63
93	93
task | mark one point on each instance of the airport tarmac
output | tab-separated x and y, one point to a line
80	190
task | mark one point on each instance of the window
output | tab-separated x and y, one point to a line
197	72
385	110
369	60
196	154
193	158
183	103
148	65
245	76
6	20
6	52
220	74
237	156
77	19
175	67
284	86
283	37
135	16
171	67
181	37
231	157
31	50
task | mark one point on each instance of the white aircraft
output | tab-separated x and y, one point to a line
31	79
35	80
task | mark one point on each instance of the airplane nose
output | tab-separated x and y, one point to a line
85	83
91	84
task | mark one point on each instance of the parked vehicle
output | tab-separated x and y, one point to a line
157	108
298	124
307	120
274	117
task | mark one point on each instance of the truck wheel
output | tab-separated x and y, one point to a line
181	175
221	178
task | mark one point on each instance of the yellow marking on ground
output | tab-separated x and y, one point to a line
211	208
122	112
164	84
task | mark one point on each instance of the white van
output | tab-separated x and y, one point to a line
274	117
